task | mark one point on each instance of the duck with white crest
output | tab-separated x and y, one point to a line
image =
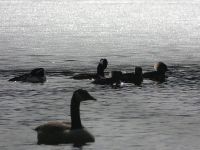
159	73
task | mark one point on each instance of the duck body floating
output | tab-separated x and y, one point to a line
136	78
115	79
55	132
158	74
35	76
100	72
84	76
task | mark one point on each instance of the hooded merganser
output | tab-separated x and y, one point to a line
158	74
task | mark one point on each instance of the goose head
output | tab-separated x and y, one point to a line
82	95
39	72
160	67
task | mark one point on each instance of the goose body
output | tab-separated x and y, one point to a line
60	132
35	76
100	72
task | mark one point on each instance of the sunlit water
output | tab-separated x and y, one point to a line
69	37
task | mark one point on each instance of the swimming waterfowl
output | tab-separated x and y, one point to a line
115	79
100	71
101	67
135	78
55	132
158	74
35	76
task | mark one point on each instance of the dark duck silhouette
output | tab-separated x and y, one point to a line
158	74
35	76
114	80
55	132
136	78
100	72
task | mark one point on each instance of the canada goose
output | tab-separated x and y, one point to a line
135	78
35	76
55	132
100	71
158	74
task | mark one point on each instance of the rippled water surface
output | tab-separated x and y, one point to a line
69	37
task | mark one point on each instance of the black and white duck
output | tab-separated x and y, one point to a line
115	80
159	73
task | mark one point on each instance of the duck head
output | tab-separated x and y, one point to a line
104	63
39	72
160	67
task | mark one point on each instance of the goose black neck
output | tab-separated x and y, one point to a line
75	114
